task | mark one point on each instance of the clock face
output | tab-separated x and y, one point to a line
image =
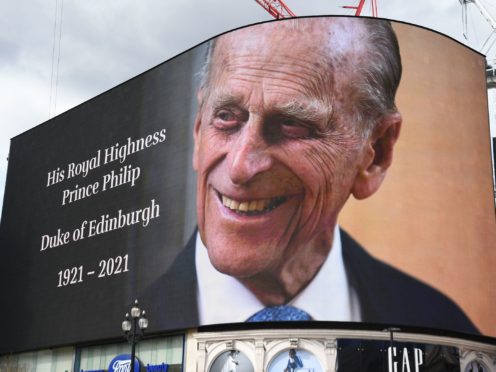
476	366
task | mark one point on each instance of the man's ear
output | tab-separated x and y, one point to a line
378	156
196	131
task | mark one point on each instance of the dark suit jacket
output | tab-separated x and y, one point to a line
386	295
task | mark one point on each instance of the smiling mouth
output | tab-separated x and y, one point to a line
252	207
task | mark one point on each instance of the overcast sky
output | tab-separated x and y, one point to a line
106	42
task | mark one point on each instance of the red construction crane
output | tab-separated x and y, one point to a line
276	8
360	5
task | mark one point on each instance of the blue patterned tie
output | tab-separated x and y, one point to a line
279	313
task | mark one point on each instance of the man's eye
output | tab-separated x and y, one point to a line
225	115
294	129
225	120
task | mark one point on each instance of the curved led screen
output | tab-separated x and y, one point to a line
325	169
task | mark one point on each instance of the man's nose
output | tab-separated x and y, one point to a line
249	156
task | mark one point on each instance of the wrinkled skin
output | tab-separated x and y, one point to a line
275	127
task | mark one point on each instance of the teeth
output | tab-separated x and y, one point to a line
226	201
259	205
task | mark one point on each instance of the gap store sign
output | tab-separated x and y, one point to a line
373	355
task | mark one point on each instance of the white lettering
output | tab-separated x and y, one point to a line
122	365
393	366
48	241
79	192
406	362
126	174
76	169
419	359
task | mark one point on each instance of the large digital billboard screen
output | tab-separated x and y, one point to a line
325	169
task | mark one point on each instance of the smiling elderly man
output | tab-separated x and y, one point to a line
294	117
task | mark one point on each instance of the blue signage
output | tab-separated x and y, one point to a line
122	363
157	367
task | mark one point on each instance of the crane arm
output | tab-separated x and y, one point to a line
485	14
276	8
358	8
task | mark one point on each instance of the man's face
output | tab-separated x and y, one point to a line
275	151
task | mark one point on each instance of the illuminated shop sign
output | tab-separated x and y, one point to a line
122	363
371	355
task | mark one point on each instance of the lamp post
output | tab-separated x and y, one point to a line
134	327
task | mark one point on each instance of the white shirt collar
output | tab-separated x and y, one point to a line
223	299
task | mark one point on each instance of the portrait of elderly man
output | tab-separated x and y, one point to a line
289	126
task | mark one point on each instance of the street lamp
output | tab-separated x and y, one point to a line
134	327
